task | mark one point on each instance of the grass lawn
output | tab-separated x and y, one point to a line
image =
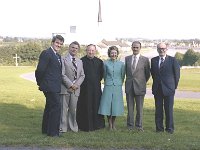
21	110
189	80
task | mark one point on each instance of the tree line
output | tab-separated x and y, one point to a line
190	58
29	52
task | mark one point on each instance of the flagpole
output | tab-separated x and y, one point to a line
99	13
99	20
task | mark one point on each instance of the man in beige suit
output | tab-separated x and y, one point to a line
137	74
72	77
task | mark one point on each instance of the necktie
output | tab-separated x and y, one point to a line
161	63
134	63
75	68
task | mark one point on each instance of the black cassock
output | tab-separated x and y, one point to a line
88	118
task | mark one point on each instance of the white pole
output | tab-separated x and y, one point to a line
16	57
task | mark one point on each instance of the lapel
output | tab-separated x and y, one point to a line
157	63
165	62
77	63
129	60
129	63
55	58
69	61
137	65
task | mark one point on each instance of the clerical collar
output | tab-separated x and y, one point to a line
89	57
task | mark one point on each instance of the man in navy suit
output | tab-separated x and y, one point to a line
49	76
165	72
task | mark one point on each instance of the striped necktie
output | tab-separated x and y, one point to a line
75	68
162	62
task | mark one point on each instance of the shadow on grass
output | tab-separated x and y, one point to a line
16	118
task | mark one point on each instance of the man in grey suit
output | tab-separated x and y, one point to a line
72	77
137	74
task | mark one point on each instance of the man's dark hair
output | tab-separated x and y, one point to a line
136	42
57	37
90	45
75	43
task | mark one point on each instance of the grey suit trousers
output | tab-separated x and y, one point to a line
68	112
133	100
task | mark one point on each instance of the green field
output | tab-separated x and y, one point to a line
189	80
21	110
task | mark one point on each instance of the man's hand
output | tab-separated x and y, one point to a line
74	87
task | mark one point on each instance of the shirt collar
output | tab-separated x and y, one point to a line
53	50
137	56
162	57
71	57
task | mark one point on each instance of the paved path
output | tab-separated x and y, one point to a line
179	94
29	76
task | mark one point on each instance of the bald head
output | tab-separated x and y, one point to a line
161	45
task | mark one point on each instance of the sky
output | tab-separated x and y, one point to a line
152	19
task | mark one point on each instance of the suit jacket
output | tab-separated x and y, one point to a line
68	75
48	72
168	76
139	77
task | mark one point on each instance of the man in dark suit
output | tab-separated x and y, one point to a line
49	76
165	72
137	74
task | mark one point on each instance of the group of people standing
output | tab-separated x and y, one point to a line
74	97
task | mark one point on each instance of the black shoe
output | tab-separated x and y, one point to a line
170	132
159	131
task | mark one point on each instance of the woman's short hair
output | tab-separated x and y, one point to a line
112	48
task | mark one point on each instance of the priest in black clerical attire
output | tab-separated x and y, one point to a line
88	118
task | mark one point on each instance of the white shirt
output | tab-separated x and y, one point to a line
137	58
161	60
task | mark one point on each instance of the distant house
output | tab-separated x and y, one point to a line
102	49
103	46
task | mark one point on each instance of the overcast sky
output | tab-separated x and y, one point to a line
121	18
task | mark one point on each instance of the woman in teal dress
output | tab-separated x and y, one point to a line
111	103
